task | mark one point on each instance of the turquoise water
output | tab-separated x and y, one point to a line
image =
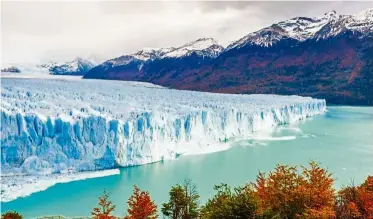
341	140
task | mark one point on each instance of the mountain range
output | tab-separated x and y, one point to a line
324	57
328	57
78	66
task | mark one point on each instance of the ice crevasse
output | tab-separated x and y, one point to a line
52	126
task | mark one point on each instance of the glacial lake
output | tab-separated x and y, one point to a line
341	140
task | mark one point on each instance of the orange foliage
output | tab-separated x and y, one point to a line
366	196
11	215
105	208
353	210
141	206
317	191
286	193
356	201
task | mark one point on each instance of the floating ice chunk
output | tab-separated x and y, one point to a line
13	187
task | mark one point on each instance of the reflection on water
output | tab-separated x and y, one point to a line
341	140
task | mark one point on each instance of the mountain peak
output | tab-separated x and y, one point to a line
203	47
303	28
205	40
151	53
77	66
331	13
200	44
145	54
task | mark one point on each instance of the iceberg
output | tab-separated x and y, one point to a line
13	187
57	125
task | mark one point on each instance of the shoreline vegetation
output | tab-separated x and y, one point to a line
285	192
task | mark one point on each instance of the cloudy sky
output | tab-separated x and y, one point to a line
36	32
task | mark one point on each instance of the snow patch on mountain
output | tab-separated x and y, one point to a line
152	54
361	22
304	28
204	47
78	66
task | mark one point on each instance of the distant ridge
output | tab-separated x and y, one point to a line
78	66
324	57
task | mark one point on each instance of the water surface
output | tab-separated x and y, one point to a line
341	140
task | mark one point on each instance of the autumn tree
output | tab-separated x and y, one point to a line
183	202
240	203
366	197
105	208
356	201
286	193
317	192
348	203
279	192
11	215
140	205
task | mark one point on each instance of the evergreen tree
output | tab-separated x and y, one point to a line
183	203
240	203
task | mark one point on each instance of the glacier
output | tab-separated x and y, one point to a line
67	125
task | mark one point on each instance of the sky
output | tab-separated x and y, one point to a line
37	32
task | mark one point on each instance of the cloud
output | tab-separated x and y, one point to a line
34	32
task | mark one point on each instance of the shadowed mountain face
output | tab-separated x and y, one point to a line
329	57
338	69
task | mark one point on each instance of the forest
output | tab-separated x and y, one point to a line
285	192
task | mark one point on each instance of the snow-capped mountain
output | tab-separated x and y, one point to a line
48	65
330	57
359	23
78	66
204	47
303	28
140	56
294	29
192	53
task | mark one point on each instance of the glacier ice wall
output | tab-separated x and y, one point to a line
52	126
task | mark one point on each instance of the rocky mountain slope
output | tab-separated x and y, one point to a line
157	61
326	57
